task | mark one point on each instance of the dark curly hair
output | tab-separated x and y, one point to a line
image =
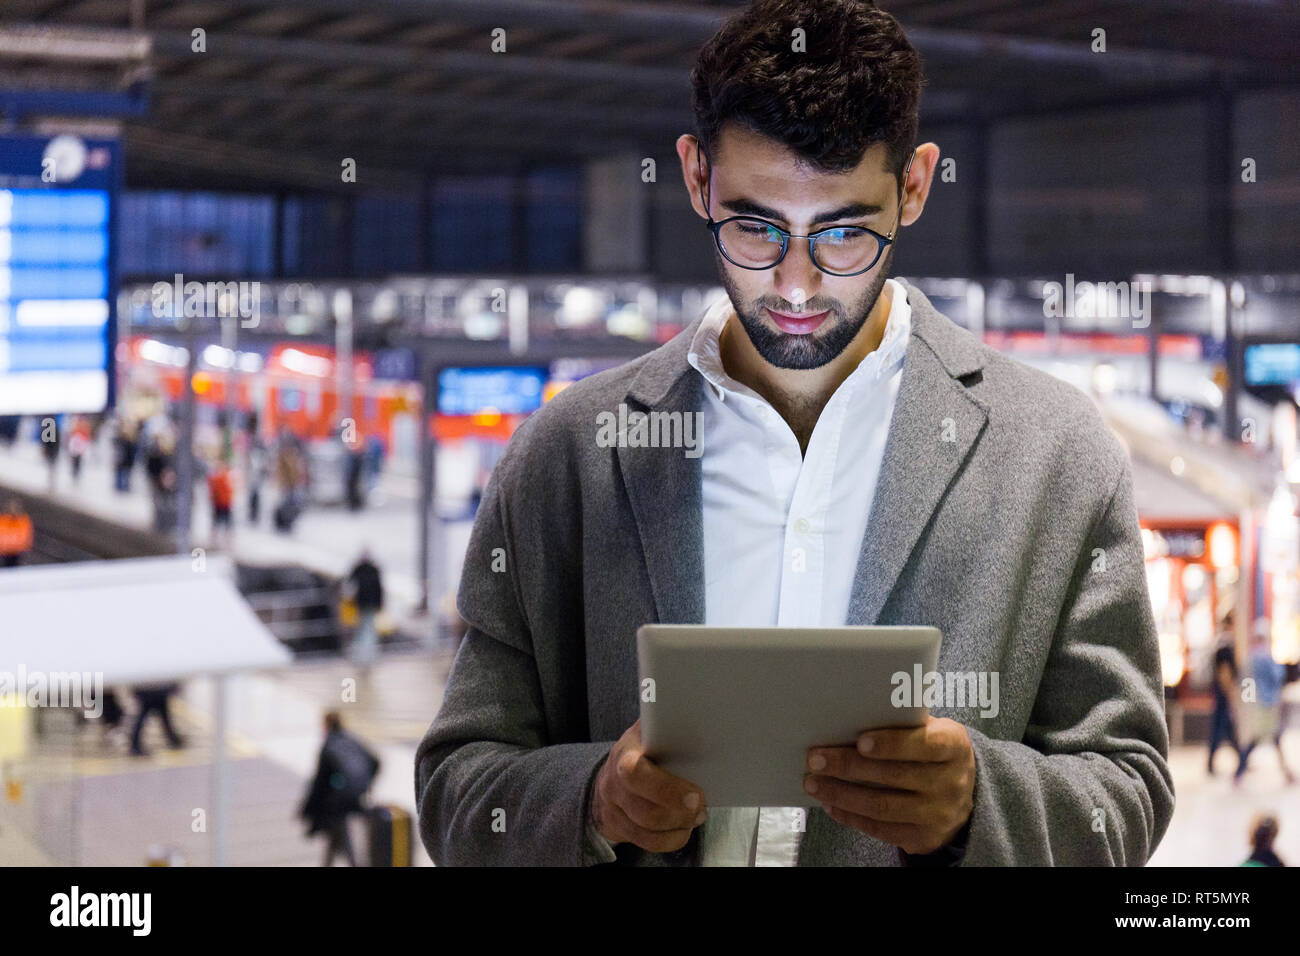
858	83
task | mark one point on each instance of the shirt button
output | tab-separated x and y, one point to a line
802	526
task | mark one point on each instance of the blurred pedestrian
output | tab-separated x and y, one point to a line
50	440
1223	682
221	495
16	533
78	445
344	772
367	590
1263	832
154	698
291	475
374	466
256	469
125	448
354	473
159	465
1269	676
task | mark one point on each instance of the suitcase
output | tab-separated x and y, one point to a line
390	836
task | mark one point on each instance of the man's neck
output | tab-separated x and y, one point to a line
799	395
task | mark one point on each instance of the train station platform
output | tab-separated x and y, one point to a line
326	539
86	801
83	799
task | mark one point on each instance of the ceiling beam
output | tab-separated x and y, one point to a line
486	109
394	58
696	22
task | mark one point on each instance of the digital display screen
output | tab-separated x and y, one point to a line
1273	364
56	281
509	391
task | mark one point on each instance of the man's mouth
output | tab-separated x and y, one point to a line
800	324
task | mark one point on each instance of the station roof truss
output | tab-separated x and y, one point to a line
284	90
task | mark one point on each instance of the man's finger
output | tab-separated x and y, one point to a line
845	763
887	806
934	742
639	774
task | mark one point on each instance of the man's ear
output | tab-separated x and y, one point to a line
919	178
693	162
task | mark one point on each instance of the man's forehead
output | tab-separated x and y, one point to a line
741	152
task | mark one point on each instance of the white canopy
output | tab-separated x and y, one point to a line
139	621
136	621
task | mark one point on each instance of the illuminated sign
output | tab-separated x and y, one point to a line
1273	364
56	281
507	391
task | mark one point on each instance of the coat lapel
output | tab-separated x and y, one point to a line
663	486
935	425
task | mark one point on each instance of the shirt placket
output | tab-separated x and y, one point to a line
778	830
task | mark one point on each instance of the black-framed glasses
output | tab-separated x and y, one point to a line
753	243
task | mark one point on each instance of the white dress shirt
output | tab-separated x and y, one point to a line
783	530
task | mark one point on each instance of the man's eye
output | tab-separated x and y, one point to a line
842	237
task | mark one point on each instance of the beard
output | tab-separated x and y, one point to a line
832	337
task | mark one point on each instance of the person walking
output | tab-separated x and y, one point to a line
1269	676
50	441
1223	682
79	442
257	469
291	474
125	448
154	698
344	772
221	493
367	588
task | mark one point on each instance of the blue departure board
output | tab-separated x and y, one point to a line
1273	364
509	390
56	274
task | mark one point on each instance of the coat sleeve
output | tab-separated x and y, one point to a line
496	781
1089	784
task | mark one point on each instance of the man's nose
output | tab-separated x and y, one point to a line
796	278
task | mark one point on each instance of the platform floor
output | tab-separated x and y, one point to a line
86	801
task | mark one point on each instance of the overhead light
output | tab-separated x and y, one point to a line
70	43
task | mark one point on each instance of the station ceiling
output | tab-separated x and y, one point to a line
286	89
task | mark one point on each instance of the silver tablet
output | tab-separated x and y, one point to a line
735	709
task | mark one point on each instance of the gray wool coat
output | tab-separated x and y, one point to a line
1004	515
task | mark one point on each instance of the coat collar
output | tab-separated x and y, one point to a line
935	425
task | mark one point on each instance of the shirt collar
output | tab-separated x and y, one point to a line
705	354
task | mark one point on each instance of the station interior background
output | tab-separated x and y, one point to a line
429	216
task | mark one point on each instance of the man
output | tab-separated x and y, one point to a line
154	699
864	461
1223	728
1270	678
344	772
367	589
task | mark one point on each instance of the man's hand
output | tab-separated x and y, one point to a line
912	787
633	801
